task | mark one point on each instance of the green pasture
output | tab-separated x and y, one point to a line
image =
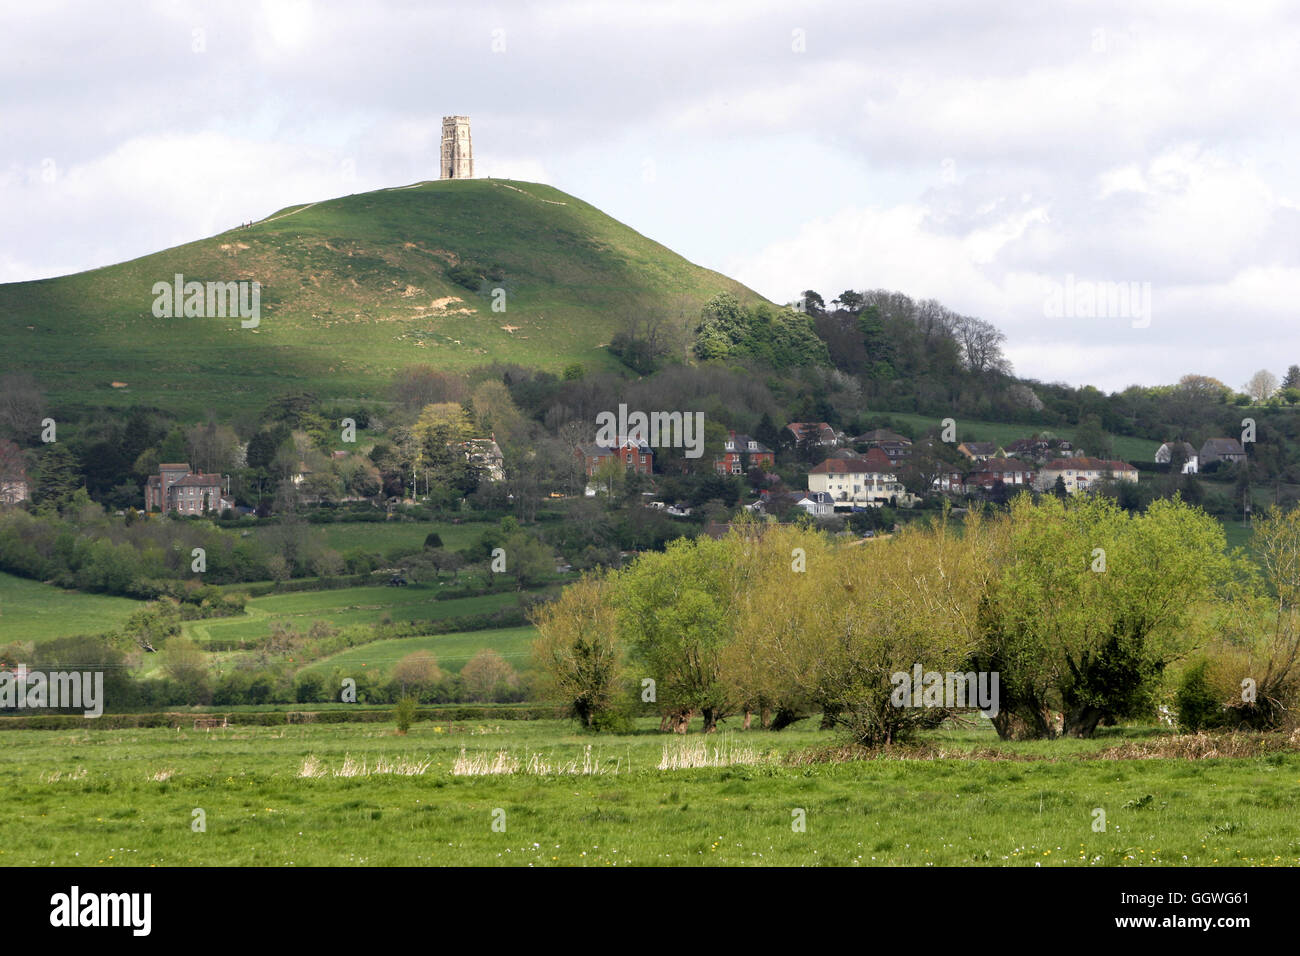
132	798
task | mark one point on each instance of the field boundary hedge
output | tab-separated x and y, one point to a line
273	718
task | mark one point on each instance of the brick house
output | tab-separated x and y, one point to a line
741	453
1014	475
637	457
897	447
176	488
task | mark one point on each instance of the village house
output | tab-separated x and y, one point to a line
1164	455
818	433
817	503
637	457
869	480
897	447
1083	474
176	488
981	450
741	453
1012	474
952	481
1221	449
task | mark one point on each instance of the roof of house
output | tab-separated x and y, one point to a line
742	443
979	447
1222	446
197	481
173	466
1188	448
1002	465
817	497
804	430
882	434
873	462
1087	464
594	450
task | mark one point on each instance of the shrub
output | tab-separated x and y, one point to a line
405	713
1198	705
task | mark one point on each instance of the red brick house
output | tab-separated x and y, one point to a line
1013	474
176	488
636	457
741	453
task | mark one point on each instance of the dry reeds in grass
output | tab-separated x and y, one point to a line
843	753
536	764
1175	747
313	767
159	776
687	754
54	776
1201	747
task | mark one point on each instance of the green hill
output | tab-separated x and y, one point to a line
352	289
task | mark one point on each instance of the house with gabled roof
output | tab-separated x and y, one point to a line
1221	449
981	450
176	488
636	456
1084	474
1190	458
1012	474
854	482
741	453
819	433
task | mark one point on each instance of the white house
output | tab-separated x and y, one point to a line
1165	452
869	480
1083	474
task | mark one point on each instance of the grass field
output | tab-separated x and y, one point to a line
452	651
342	607
386	536
32	611
128	798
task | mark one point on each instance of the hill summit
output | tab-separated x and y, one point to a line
452	273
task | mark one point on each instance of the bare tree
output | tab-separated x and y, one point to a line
1262	385
22	405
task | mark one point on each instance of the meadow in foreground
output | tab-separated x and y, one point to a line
129	798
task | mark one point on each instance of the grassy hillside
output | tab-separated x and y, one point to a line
344	607
451	650
352	289
32	611
1126	447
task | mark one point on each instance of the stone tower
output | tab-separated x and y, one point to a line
457	149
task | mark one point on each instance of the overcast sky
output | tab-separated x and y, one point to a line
1003	158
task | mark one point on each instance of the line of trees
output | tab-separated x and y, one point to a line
1081	608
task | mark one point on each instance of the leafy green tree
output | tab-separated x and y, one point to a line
673	611
578	651
1093	604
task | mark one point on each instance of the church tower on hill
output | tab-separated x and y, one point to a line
457	149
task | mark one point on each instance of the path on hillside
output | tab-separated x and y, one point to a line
262	222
